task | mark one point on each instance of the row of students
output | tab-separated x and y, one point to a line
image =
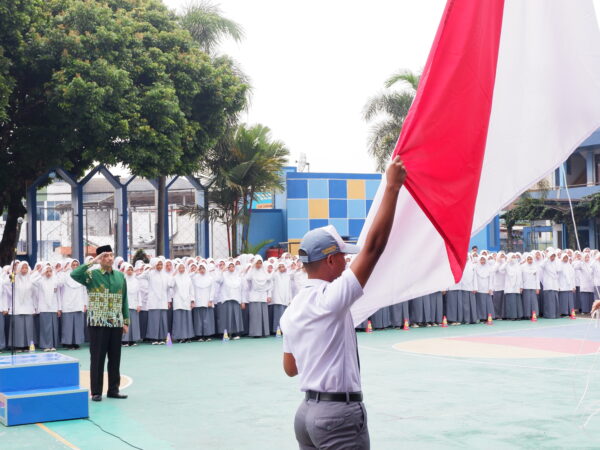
551	283
191	298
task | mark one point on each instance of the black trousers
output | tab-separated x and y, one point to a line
105	341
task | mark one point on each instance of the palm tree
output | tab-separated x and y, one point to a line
391	108
207	25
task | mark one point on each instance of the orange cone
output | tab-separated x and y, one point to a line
489	320
573	316
406	327
534	317
369	327
444	322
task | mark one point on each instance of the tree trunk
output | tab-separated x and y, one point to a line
160	217
9	238
234	233
247	220
509	238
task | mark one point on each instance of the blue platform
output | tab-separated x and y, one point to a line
40	387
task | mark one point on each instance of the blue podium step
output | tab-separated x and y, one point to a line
40	387
43	405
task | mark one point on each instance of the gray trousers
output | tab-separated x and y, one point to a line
331	425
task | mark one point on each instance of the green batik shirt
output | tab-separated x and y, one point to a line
107	292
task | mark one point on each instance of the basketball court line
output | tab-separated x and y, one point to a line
57	436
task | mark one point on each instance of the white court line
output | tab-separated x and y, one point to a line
517	331
464	360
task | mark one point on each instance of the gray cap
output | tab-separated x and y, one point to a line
322	242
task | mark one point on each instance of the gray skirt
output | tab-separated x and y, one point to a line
204	321
436	304
398	313
230	318
259	319
530	303
157	328
133	333
454	309
246	319
469	305
551	310
485	305
586	299
416	310
49	330
183	328
73	328
566	302
24	331
381	319
499	301
513	306
275	313
143	317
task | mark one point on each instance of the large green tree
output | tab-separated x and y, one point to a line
387	112
112	81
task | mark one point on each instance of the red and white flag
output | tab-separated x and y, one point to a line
510	89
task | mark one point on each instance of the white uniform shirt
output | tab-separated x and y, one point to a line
183	291
531	276
74	295
48	300
550	275
158	296
203	289
566	277
318	330
585	275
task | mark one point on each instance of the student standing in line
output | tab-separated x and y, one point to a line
49	309
183	300
24	308
158	291
230	316
483	276
259	296
281	295
134	296
203	313
74	305
531	287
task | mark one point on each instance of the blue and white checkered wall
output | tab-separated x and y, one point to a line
342	200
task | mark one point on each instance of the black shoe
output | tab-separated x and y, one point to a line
117	395
96	398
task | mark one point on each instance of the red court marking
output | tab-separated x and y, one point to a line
573	346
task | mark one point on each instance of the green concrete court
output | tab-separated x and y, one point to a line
235	396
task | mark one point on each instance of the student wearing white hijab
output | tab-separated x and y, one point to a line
468	291
531	287
140	268
566	286
169	272
513	287
203	313
134	296
498	283
49	309
183	300
24	307
158	302
550	286
281	295
259	296
586	288
230	315
74	305
483	276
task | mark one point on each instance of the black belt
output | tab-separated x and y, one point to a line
334	396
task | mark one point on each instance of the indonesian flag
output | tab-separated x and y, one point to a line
510	89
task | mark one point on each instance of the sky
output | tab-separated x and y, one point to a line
314	64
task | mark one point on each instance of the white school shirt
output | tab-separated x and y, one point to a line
203	289
157	289
531	276
596	272
468	281
281	293
74	295
483	278
143	283
134	292
550	275
231	287
259	285
585	276
183	291
48	300
24	288
318	330
299	280
513	278
566	277
499	275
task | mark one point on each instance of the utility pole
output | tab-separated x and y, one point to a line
160	216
